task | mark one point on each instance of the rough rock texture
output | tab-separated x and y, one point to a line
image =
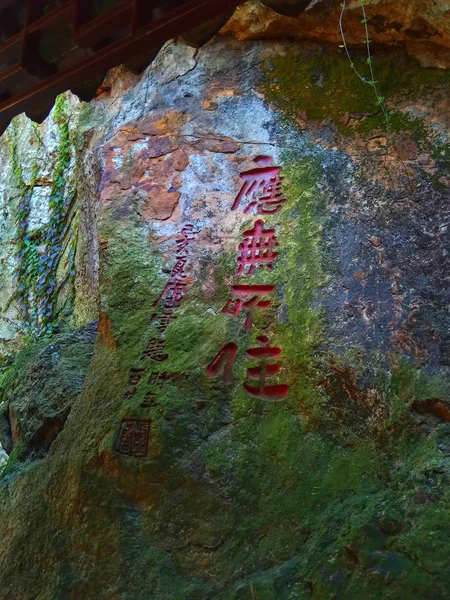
342	489
38	394
421	27
28	156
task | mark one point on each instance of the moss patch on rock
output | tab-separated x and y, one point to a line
318	496
324	88
39	390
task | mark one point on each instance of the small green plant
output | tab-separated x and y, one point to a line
40	252
26	245
380	100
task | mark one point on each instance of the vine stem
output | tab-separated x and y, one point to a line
344	41
37	269
16	326
380	100
372	76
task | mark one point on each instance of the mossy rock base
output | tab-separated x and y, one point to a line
339	491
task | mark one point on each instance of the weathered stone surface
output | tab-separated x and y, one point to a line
38	398
27	153
166	483
422	27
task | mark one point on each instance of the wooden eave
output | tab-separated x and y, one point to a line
50	46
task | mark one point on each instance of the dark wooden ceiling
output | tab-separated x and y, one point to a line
50	46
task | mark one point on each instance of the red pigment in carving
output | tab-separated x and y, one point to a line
174	291
235	306
264	373
223	363
257	249
173	294
262	188
175	288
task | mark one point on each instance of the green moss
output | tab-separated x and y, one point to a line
131	271
441	154
237	498
45	290
26	243
398	122
325	88
437	183
300	273
41	386
15	459
410	384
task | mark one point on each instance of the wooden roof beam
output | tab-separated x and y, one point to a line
149	33
10	50
88	33
5	3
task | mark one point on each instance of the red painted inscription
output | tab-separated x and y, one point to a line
262	194
261	189
248	299
223	363
257	249
175	289
264	372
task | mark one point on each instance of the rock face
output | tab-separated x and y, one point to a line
40	220
421	27
265	410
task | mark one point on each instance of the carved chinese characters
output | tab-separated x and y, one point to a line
262	189
155	381
257	249
264	372
155	350
171	298
223	363
172	295
260	194
248	298
131	436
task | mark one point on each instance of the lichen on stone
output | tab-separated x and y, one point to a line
339	491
